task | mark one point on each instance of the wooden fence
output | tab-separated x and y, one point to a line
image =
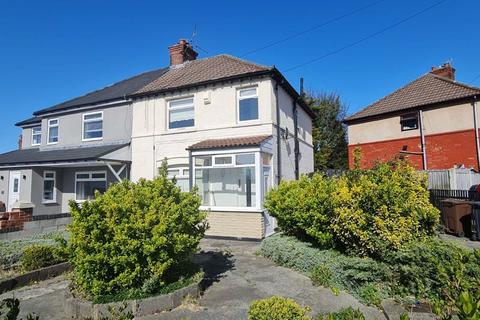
452	179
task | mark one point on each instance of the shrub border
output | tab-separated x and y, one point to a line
76	308
35	275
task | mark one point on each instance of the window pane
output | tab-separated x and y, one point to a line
52	122
48	189
248	92
181	103
86	189
93	125
248	109
92	116
37	130
243	159
83	176
173	173
226	187
98	175
37	138
183	184
50	175
223	160
53	134
203	161
15	185
181	118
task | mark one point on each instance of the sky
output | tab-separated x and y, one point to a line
51	51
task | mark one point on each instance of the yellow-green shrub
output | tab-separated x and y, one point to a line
39	256
304	208
277	308
133	232
382	209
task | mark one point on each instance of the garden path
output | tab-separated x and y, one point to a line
235	276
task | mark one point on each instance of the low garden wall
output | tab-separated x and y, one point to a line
38	226
33	276
76	308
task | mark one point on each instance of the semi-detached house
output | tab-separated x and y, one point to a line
230	127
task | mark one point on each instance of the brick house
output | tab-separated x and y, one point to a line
432	122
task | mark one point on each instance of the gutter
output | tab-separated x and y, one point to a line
422	138
475	126
279	138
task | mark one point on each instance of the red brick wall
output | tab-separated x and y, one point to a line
443	150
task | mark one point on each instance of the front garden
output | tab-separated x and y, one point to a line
373	234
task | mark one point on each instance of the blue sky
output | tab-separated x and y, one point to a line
55	50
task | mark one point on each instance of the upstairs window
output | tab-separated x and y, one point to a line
409	121
49	186
93	126
52	131
181	113
247	104
36	136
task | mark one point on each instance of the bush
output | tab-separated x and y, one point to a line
321	276
303	208
351	274
133	232
367	212
344	314
277	308
39	256
379	210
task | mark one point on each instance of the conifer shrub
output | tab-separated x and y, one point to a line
277	308
133	233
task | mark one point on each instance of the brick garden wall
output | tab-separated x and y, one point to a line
443	150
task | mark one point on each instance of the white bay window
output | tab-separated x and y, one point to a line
229	181
87	183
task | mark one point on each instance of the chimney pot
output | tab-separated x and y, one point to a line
446	71
181	52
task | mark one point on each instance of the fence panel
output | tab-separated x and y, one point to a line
452	179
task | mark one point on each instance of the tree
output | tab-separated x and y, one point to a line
329	133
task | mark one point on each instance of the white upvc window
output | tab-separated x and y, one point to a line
247	104
229	181
52	131
92	126
181	174
49	187
181	113
88	182
36	136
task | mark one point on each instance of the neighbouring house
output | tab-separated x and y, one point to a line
432	122
230	127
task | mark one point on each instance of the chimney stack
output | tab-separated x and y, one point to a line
446	71
181	52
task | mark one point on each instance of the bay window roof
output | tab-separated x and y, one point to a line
230	142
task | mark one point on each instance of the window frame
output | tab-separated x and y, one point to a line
257	165
169	108
91	120
50	126
406	117
89	179
239	98
181	173
54	191
36	134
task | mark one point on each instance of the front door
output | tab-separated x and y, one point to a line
269	221
14	189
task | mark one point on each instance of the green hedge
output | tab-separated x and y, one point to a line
133	233
367	213
430	269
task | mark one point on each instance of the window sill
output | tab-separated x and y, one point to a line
232	209
181	130
49	202
92	139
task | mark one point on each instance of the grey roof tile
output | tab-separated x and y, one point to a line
35	156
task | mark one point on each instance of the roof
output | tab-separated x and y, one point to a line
229	142
35	156
427	90
202	70
116	91
29	121
191	73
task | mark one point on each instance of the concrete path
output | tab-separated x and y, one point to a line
235	277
